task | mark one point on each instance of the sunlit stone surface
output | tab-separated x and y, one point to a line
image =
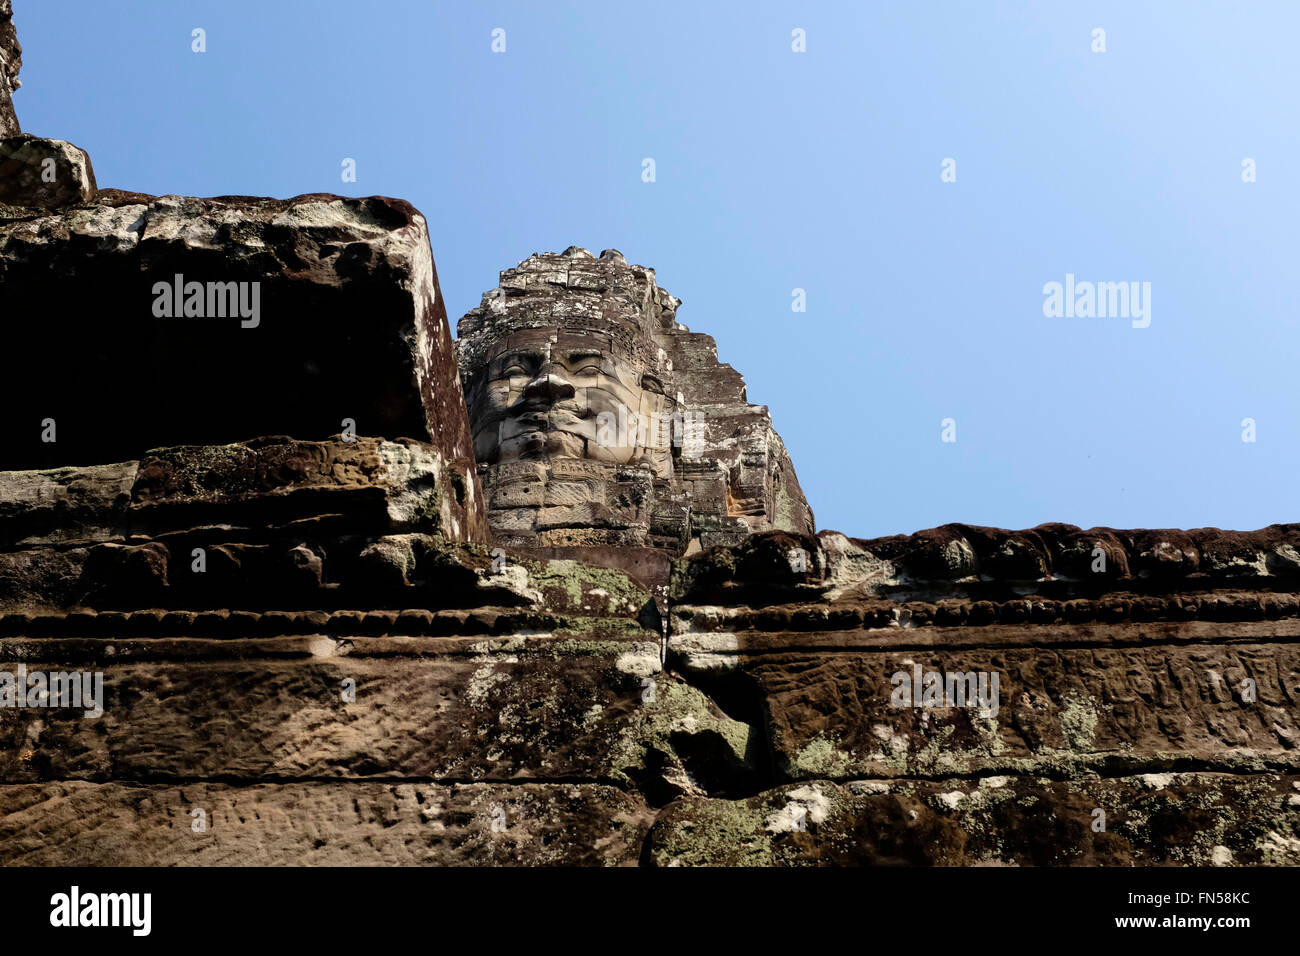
599	420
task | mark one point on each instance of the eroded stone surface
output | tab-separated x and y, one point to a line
312	317
313	640
532	715
320	824
1195	819
1189	664
1067	711
770	735
270	517
976	569
44	173
11	61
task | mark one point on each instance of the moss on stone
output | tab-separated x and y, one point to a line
1078	718
577	581
822	757
715	833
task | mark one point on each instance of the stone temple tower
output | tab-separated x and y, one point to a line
600	421
11	61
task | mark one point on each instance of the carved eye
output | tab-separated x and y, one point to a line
514	370
652	384
591	368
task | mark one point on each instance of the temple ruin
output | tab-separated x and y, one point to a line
547	593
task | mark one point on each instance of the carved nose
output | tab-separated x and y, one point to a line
549	386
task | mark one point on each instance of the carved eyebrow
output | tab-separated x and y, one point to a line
516	355
585	353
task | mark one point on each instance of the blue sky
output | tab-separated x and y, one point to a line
820	170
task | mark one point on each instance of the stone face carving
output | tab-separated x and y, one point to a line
599	420
230	591
552	393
